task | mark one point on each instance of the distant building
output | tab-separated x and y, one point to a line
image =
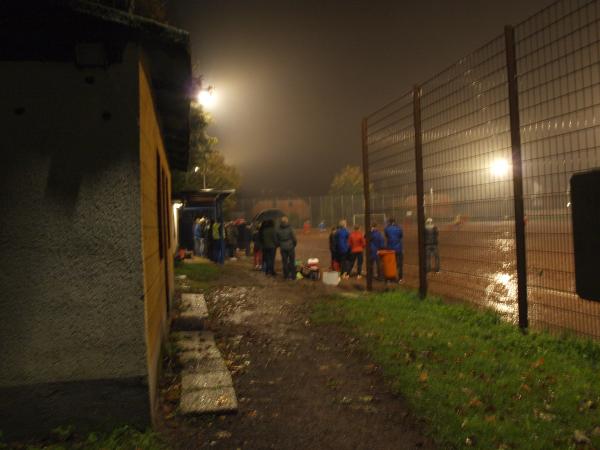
94	112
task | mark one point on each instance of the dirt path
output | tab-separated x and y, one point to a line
299	386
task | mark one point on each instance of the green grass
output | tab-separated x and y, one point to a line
122	438
199	275
475	380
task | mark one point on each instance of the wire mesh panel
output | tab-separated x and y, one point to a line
558	56
468	181
391	154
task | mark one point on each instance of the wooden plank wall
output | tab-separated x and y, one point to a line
158	279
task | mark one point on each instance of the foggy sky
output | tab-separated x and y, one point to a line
294	78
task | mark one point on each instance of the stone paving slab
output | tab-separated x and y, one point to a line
194	303
198	354
202	337
197	381
205	365
217	400
193	313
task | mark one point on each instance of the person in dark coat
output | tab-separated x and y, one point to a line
431	245
343	249
393	235
268	243
231	238
243	242
286	241
335	262
376	244
258	256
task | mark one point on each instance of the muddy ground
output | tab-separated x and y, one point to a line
299	385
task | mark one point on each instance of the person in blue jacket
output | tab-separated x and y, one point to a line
376	244
393	236
197	230
343	248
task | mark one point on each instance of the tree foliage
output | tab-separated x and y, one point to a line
209	161
348	181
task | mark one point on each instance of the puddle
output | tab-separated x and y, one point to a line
501	293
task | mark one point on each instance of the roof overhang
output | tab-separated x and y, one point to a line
55	30
203	197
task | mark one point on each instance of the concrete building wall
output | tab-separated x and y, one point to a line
71	276
157	230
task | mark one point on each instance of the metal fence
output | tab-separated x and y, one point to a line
501	129
328	209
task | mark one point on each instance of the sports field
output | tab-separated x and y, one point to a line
478	265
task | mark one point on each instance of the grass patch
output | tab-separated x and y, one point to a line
475	380
122	438
199	275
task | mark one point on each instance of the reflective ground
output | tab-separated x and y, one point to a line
478	265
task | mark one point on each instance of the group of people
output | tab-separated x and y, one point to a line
267	238
238	236
207	235
347	248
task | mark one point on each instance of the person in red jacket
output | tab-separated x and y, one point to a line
357	245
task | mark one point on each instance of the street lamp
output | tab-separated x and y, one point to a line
196	169
207	97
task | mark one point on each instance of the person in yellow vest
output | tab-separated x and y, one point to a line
216	240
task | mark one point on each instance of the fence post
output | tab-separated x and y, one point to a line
367	195
517	172
420	191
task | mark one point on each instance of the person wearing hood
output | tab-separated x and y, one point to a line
431	245
393	234
343	249
376	244
286	240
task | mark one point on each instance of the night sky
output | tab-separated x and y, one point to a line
294	78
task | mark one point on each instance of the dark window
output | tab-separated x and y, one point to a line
159	206
167	210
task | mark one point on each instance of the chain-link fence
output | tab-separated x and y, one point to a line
465	115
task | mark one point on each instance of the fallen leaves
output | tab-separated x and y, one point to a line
538	363
475	402
222	434
423	376
580	437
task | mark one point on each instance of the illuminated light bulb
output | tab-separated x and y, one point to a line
499	168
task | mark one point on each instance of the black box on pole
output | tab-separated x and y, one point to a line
585	207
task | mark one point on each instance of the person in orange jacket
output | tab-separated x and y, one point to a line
357	244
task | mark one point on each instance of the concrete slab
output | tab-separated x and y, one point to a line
194	304
203	337
198	381
204	365
198	354
218	400
193	313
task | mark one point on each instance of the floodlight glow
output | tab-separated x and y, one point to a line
207	98
499	168
196	169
